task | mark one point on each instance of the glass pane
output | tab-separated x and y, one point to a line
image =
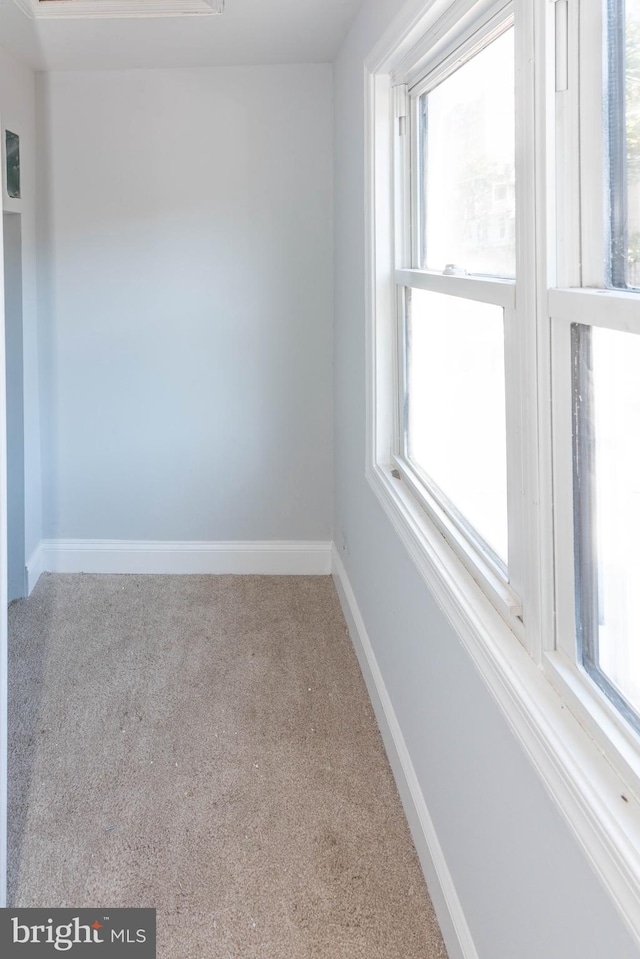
624	132
467	162
607	477
456	433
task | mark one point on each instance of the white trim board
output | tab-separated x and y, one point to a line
109	9
269	558
453	923
34	568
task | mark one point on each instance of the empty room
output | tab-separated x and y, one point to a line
319	505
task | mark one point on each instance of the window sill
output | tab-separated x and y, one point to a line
598	804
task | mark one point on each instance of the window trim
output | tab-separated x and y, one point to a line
543	703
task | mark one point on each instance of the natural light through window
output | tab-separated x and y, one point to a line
606	403
607	397
456	408
467	135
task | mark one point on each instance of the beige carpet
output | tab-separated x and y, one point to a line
205	745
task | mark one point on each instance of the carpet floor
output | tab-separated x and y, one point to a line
205	745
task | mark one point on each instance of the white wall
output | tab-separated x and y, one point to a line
187	303
18	114
525	886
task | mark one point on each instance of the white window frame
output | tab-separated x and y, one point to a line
587	757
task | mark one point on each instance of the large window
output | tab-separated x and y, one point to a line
468	284
456	295
505	374
605	363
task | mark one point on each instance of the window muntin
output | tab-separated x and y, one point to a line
466	165
455	411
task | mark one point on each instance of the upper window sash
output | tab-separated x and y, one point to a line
463	151
408	161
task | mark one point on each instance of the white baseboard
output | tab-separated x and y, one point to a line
445	900
34	568
267	558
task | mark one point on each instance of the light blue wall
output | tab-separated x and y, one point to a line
18	114
14	357
525	886
187	218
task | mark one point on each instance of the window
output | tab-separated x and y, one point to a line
456	296
504	373
603	334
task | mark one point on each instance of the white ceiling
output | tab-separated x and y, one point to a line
248	32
